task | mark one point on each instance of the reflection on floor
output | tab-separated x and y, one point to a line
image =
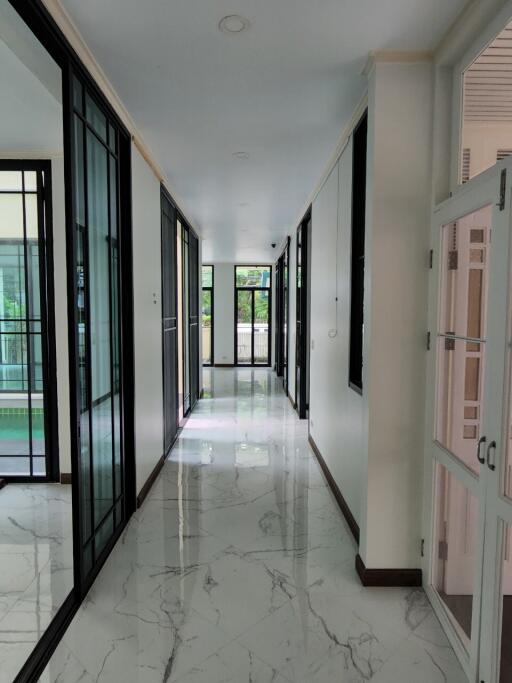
239	568
36	566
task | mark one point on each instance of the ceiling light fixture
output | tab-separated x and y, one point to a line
234	24
240	155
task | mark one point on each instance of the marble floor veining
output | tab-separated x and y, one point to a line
239	568
36	566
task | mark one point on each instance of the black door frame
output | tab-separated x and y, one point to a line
47	311
302	316
269	333
42	25
170	324
212	303
282	314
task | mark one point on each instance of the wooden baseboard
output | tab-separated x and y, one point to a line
388	577
349	517
66	478
294	405
150	481
2	483
224	365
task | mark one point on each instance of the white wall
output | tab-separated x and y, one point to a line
336	410
395	316
224	314
148	318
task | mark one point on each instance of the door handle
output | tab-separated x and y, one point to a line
491	447
481	441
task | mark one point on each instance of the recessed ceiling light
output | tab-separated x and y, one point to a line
240	155
233	24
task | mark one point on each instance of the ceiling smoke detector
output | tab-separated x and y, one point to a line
234	24
240	155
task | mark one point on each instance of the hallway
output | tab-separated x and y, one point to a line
239	568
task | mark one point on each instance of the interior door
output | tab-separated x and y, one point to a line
169	323
470	238
193	254
496	651
301	337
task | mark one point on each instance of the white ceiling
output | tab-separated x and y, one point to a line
282	91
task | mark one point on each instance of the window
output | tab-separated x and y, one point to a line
487	108
207	314
253	276
357	273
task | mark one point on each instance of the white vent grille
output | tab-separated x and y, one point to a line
466	165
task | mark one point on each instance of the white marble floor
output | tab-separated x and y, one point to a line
239	568
36	566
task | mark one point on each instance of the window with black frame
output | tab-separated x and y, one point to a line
207	314
252	315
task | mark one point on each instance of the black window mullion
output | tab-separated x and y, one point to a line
111	345
27	328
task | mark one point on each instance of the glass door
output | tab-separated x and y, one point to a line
253	307
469	243
244	328
207	321
496	650
97	299
28	448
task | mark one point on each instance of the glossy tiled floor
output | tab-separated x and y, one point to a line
239	568
36	566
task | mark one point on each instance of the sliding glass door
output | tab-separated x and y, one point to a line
28	440
252	315
207	315
302	317
98	284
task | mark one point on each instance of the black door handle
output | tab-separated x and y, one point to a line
491	447
481	441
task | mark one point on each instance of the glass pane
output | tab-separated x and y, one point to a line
261	331
79	172
207	276
38	441
100	322
78	95
454	547
244	327
207	326
31	216
95	117
15	466
465	255
10	180
460	381
506	622
11	216
30	178
253	276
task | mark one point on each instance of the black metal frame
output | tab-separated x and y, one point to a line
282	287
47	312
42	25
302	316
359	147
268	289
171	324
212	326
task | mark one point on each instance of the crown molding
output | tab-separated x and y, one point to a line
396	57
77	42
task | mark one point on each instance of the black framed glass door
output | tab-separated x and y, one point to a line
281	337
28	400
302	332
253	305
193	270
207	312
99	283
169	322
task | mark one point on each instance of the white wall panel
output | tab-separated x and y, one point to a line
148	318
